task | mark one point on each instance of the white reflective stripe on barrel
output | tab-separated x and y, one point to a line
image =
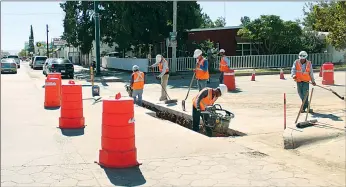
228	73
330	70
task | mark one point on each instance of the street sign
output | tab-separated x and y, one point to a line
59	42
38	44
173	35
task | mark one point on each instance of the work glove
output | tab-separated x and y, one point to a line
198	109
294	78
313	83
158	78
194	70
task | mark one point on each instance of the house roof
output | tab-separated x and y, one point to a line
216	28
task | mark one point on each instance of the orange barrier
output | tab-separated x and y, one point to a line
52	93
328	73
282	76
55	75
71	113
229	79
253	76
118	134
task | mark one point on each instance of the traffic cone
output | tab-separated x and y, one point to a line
282	74
253	75
320	75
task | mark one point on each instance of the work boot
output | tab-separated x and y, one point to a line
163	99
311	111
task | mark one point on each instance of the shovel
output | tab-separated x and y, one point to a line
187	95
342	98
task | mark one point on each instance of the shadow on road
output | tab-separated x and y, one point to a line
307	141
72	132
330	116
52	108
125	177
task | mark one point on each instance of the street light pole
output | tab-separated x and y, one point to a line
174	47
47	41
97	37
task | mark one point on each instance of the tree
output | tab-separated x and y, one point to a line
22	53
220	22
244	21
31	41
70	22
328	17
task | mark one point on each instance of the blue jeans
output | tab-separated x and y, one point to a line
303	88
201	84
137	95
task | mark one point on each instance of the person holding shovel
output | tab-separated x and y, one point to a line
206	97
137	85
202	73
164	75
302	73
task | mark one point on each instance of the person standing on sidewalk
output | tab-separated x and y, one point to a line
302	73
202	73
204	98
137	85
164	75
224	65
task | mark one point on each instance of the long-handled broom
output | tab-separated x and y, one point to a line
169	101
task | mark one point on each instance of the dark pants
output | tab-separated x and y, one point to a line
196	117
221	78
303	88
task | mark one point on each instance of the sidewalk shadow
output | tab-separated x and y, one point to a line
125	177
330	116
72	132
308	140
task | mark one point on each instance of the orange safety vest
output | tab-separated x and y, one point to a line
207	101
200	74
161	65
300	75
138	80
223	65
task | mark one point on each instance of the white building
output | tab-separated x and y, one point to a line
338	56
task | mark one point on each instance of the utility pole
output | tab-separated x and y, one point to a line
174	46
97	37
47	41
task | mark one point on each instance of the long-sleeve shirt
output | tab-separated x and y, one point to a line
293	70
164	67
204	94
226	59
204	67
133	79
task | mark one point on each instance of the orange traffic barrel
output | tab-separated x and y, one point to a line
52	93
229	79
118	134
55	75
71	113
328	73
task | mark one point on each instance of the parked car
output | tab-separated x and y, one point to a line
8	65
16	58
59	65
38	62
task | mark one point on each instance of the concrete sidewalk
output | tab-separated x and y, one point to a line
36	153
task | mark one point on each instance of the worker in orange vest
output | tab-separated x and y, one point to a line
137	84
224	65
202	73
164	75
302	73
206	97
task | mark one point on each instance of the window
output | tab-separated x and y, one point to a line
245	53
238	53
246	47
240	47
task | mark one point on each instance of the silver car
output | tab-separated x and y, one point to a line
16	59
8	65
38	62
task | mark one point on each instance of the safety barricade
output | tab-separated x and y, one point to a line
229	79
328	73
52	93
118	134
71	113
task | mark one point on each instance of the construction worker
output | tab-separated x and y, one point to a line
302	73
137	85
204	98
164	75
202	73
224	65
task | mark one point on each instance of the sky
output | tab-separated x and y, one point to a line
16	17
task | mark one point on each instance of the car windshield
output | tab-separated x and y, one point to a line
40	60
62	61
5	65
12	56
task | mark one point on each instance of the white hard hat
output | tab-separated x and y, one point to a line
303	55
158	58
197	53
222	51
135	67
223	89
